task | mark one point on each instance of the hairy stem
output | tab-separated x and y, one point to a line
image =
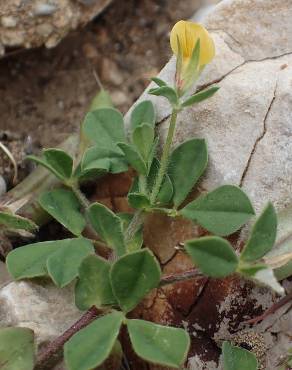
164	158
51	352
100	247
176	278
138	218
80	196
134	225
143	183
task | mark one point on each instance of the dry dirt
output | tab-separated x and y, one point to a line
44	94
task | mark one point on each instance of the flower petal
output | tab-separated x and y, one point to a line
188	33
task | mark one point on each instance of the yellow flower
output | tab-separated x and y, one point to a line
188	33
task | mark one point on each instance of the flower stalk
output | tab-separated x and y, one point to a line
165	157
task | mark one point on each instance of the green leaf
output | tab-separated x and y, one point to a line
101	100
200	96
249	270
143	113
138	201
179	63
107	159
222	211
57	161
108	226
283	243
63	264
167	92
104	127
214	256
134	158
159	344
166	190
12	221
133	276
191	158
191	74
93	287
137	241
31	260
263	236
16	349
65	208
158	81
91	346
236	358
87	175
143	138
283	272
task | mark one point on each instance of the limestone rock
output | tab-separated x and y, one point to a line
40	306
43	22
248	128
247	123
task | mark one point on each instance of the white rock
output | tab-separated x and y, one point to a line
248	122
255	29
42	307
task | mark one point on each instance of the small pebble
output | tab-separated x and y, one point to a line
90	51
9	22
45	9
2	50
44	29
3	186
119	98
110	72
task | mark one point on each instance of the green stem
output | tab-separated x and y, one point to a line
101	248
138	218
143	184
180	276
80	196
164	157
134	225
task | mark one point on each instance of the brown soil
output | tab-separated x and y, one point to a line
45	93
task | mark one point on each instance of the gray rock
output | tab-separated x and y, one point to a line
40	306
20	27
247	123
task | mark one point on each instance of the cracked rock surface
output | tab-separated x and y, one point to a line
248	127
32	23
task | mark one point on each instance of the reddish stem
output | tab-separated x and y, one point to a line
51	352
271	310
181	276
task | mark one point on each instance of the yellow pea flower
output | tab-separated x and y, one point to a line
184	37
